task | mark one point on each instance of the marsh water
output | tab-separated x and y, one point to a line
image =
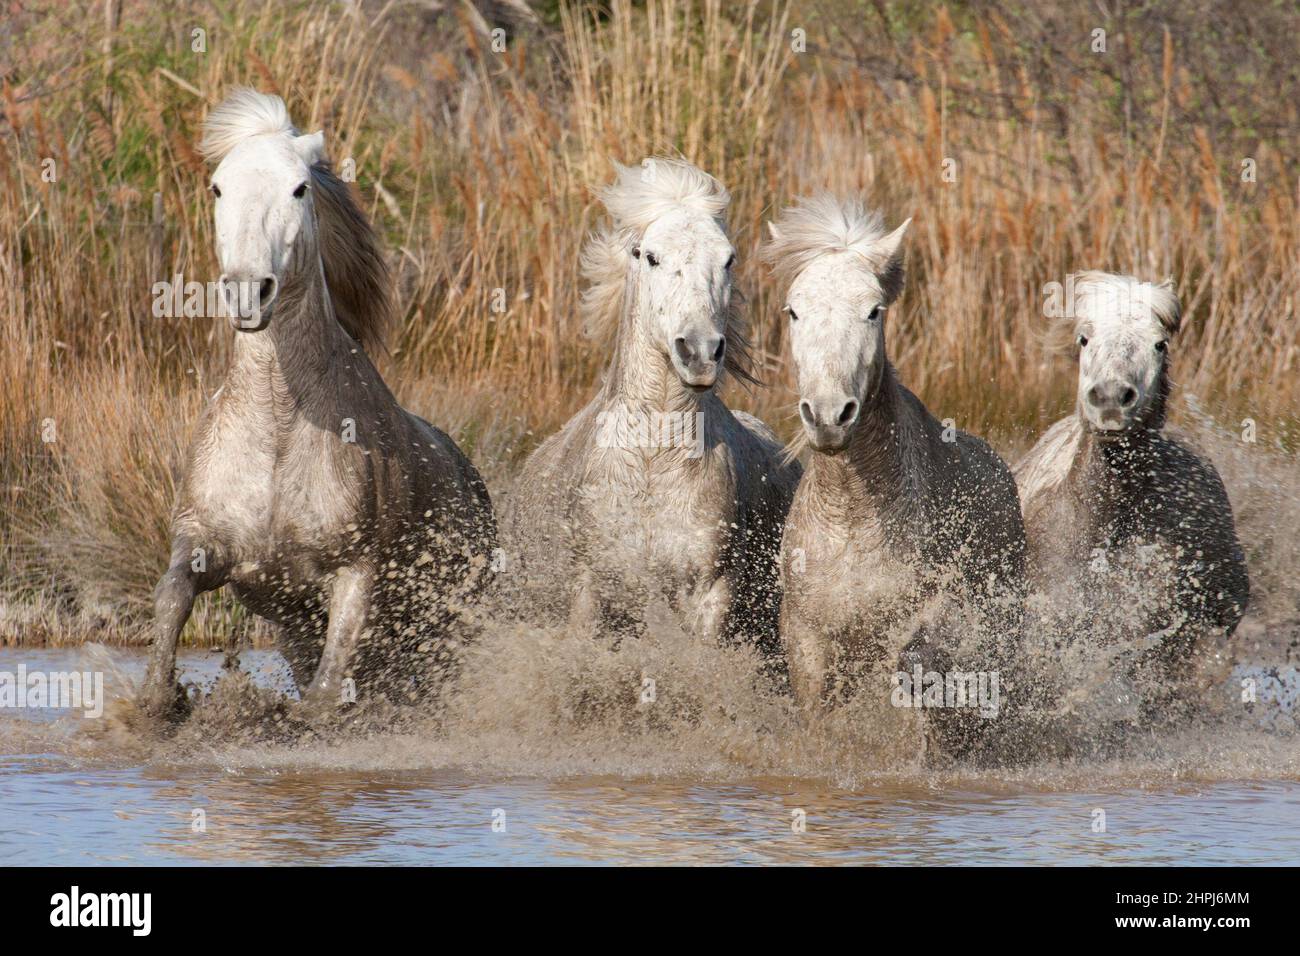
632	795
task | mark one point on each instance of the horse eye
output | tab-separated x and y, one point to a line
300	191
1161	345
651	258
731	261
874	314
215	191
1083	341
793	317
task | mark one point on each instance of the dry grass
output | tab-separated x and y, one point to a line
479	167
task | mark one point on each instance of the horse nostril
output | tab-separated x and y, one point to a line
717	352
849	412
1128	398
266	290
806	413
1093	396
683	350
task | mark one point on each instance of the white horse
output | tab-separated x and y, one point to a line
656	488
356	526
894	514
1108	496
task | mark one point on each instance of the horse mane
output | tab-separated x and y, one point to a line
822	224
637	197
1096	292
1107	289
355	269
244	113
356	273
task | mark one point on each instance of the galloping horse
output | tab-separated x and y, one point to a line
357	527
656	488
1110	500
896	516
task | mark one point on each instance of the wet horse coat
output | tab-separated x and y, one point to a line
899	524
656	489
1111	501
358	527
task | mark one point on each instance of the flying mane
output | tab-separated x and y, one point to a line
1126	297
355	270
637	197
819	225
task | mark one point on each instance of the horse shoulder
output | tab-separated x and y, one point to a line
564	455
1183	458
547	487
988	466
1042	473
995	495
458	489
1198	513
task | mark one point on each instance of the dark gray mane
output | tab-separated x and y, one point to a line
355	270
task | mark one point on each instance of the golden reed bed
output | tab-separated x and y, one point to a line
1022	150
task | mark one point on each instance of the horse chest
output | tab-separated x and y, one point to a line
850	574
263	500
658	522
864	585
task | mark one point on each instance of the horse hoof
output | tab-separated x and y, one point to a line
318	705
163	703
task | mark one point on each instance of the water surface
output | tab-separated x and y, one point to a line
405	799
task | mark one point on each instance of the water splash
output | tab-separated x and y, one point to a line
545	702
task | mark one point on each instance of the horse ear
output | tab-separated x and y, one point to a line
890	247
1167	307
886	257
311	147
772	231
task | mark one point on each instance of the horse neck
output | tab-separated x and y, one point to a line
868	478
1108	475
641	377
1153	418
299	348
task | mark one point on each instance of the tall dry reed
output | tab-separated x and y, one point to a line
1021	154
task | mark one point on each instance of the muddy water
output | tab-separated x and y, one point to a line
73	793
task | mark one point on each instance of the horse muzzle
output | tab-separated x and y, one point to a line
698	360
248	301
829	423
251	323
828	440
1111	408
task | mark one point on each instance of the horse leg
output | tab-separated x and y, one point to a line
709	610
161	695
300	642
806	649
584	607
605	607
349	612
